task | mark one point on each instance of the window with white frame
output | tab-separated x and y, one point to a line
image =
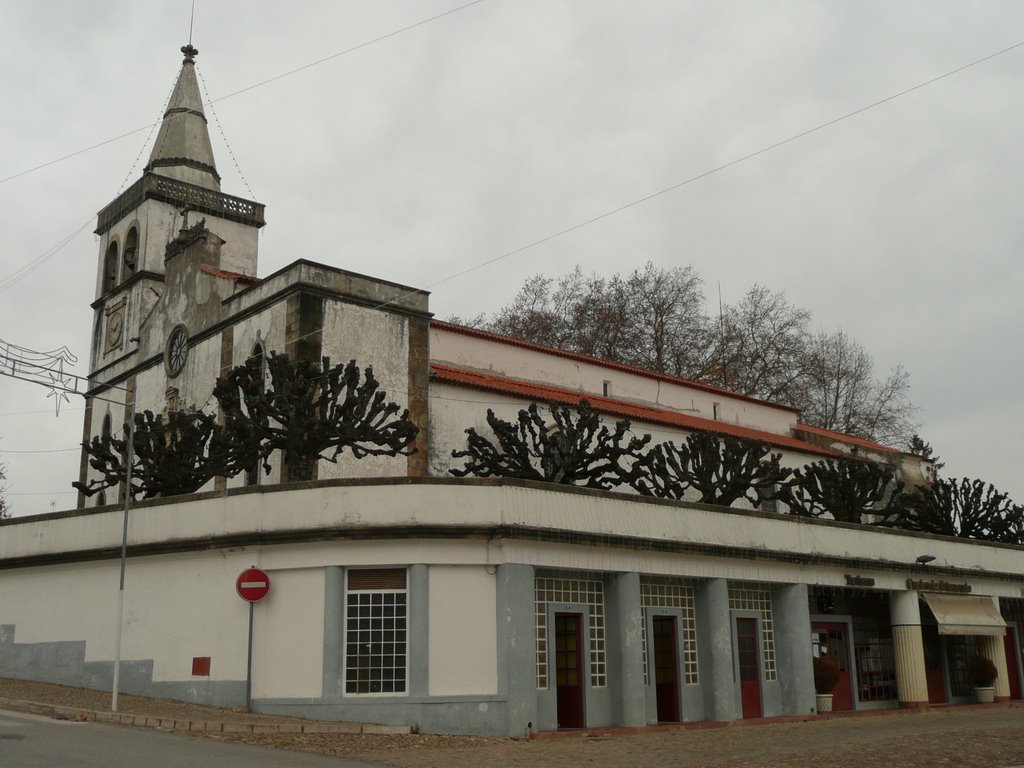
376	632
677	595
571	587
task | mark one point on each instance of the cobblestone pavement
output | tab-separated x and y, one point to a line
964	737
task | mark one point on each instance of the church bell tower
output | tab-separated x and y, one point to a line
160	242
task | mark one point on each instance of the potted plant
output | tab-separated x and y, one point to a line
826	677
983	673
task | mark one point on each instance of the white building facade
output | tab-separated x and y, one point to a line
401	594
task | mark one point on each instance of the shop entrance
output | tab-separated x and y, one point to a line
933	664
666	668
749	666
1012	668
832	641
569	669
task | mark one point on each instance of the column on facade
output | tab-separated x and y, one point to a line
792	626
517	646
714	649
992	647
334	629
908	650
418	642
625	649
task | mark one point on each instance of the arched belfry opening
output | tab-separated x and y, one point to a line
131	254
110	268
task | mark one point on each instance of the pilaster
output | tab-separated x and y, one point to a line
714	649
625	649
517	646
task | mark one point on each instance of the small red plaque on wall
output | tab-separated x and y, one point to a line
201	666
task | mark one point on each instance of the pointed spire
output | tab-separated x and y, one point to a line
182	149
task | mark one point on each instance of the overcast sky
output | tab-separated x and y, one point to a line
436	149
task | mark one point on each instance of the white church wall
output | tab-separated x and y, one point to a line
527	364
463	636
371	338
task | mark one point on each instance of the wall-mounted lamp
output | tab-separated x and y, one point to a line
925	559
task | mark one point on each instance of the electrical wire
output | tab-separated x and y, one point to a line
248	88
699	176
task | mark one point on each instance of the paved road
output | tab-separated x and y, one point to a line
29	741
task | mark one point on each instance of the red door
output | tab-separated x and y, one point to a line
750	668
833	643
933	665
1012	669
569	669
666	668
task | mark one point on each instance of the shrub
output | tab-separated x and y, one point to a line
982	671
826	675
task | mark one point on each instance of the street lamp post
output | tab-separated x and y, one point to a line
47	369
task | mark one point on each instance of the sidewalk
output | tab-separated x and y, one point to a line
981	736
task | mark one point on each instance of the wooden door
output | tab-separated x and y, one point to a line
749	666
569	669
1012	668
666	668
833	643
933	664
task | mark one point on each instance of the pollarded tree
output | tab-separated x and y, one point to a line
970	509
846	489
5	511
721	469
309	411
573	449
173	455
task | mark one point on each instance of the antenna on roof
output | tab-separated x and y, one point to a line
191	19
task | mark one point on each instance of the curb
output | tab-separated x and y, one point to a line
201	726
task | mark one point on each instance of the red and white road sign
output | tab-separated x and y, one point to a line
252	585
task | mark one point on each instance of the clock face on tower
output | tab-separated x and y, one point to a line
115	330
176	352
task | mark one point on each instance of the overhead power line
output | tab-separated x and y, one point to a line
252	87
703	175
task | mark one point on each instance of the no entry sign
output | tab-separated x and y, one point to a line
252	585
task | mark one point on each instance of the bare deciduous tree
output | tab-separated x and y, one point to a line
846	489
171	455
721	469
967	508
573	449
310	411
761	347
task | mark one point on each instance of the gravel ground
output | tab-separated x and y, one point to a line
965	737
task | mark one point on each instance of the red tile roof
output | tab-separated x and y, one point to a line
229	275
497	337
842	437
543	393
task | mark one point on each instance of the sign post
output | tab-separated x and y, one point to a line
252	586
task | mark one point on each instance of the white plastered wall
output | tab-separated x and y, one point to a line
288	632
463	639
525	364
371	338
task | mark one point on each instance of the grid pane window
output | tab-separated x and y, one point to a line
375	641
572	589
876	664
673	595
744	598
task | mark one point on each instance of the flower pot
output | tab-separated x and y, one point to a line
984	695
823	702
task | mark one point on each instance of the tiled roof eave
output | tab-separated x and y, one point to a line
545	393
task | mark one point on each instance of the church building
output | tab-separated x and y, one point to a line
403	594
